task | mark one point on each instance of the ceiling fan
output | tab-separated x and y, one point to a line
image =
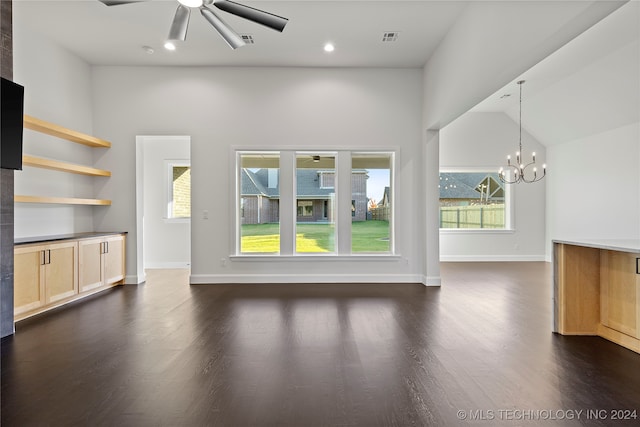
178	30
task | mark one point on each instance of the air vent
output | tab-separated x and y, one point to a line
390	36
247	38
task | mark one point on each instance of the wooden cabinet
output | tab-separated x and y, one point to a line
620	292
597	292
49	274
101	262
44	274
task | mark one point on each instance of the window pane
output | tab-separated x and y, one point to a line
315	194
181	192
371	202
472	200
259	202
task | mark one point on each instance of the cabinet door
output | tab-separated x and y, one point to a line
90	264
619	292
61	266
114	260
28	290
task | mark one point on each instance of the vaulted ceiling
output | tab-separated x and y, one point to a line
593	71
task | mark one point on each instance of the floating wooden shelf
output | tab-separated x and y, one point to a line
56	165
64	133
61	200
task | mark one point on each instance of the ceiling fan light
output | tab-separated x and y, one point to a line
191	3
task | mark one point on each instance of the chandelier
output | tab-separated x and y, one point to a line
521	172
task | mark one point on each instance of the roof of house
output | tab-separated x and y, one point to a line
255	182
457	185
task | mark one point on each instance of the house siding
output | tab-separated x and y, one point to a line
262	208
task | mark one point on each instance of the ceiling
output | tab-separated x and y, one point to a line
588	86
116	35
584	69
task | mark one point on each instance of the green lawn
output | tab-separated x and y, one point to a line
367	236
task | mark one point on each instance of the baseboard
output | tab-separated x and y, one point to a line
492	258
169	265
135	279
201	279
431	280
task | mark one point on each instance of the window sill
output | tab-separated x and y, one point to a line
476	231
315	257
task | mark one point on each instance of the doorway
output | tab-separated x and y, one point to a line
163	202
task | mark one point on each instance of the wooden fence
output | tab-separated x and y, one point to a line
487	216
382	213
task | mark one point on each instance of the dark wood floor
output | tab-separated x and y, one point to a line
169	354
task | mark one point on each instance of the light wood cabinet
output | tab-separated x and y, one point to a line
101	262
44	274
619	292
49	274
597	292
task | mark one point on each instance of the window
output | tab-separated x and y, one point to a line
305	208
473	200
314	202
315	186
259	203
371	202
179	200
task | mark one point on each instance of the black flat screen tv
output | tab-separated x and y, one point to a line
11	122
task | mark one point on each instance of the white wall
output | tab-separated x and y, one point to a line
594	187
254	108
57	89
167	242
593	133
483	140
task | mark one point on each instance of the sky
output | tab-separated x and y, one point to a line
378	179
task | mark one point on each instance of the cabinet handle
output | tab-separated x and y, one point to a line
43	257
49	256
107	244
637	265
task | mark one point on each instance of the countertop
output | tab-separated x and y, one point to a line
621	245
70	236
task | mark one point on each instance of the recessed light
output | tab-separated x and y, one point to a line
169	45
148	49
329	47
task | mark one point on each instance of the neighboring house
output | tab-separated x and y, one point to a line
386	198
472	188
260	195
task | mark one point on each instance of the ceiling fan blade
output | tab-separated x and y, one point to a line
231	37
178	30
119	2
258	16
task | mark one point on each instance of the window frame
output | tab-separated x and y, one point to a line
288	204
509	201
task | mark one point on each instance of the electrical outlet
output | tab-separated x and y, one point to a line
205	214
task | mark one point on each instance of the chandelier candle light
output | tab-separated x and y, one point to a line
521	172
